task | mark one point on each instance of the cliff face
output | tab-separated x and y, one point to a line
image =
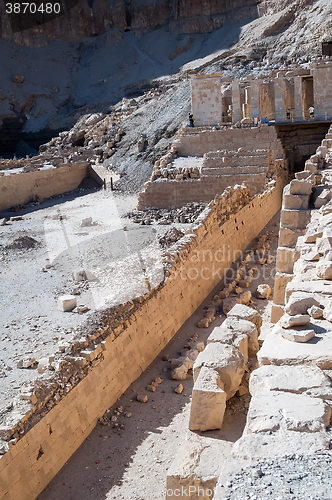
77	19
81	18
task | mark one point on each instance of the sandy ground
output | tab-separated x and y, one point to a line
122	255
130	461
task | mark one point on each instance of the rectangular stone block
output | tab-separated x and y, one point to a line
300	187
285	260
288	237
208	402
295	201
276	313
280	282
295	219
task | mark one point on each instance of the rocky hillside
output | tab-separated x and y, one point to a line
144	46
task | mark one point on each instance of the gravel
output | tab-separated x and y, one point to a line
300	477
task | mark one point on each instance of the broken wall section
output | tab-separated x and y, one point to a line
19	188
252	155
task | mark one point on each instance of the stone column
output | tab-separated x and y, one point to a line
322	75
254	93
298	113
236	104
278	100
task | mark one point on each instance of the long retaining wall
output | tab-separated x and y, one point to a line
24	187
206	253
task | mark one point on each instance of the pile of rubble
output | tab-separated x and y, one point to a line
175	173
184	215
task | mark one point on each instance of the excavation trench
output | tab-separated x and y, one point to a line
127	458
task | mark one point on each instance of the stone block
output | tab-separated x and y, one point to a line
276	312
295	219
280	283
324	269
311	236
247	313
232	332
285	260
278	351
301	176
313	287
230	337
197	477
298	335
299	303
294	201
227	361
208	402
323	198
300	187
67	303
296	379
279	444
274	410
288	237
288	321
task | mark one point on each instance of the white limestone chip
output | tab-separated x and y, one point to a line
287	321
315	312
298	335
263	292
324	269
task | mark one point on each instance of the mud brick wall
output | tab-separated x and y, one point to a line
22	188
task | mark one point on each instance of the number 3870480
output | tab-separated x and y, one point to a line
32	8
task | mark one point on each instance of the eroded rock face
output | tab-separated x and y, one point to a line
90	18
82	18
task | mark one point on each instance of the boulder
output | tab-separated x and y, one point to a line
180	372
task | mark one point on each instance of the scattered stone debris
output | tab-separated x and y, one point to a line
142	398
184	215
171	236
23	243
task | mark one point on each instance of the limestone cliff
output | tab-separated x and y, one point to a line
79	18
